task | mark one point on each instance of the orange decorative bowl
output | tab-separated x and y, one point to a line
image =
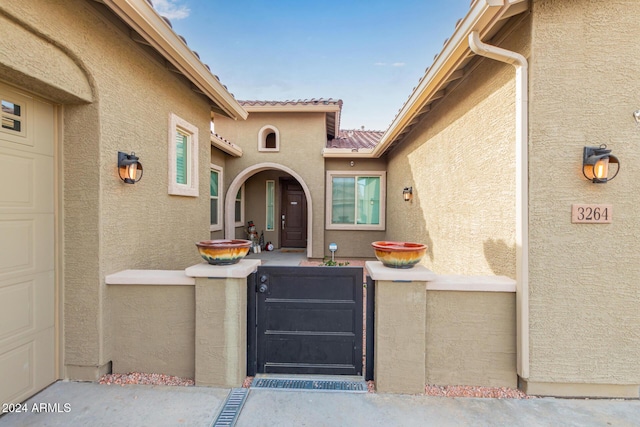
399	254
223	252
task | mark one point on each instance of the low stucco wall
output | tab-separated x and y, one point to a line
442	330
153	329
471	338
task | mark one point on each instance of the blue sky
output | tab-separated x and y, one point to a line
369	53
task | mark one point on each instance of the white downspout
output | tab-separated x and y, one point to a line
522	191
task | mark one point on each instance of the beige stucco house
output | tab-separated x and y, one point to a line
490	142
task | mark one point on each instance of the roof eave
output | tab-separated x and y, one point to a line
142	18
482	16
226	146
344	153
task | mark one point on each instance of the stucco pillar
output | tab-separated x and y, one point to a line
400	327
221	322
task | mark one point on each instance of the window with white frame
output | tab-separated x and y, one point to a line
183	157
215	186
270	223
355	201
14	111
269	139
239	207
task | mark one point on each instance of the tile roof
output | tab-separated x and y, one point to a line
331	107
221	138
312	101
356	139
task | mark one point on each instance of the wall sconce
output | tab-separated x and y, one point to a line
128	167
595	164
407	194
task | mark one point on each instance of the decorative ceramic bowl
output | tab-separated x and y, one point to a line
399	254
223	252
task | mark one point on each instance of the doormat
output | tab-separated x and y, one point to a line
320	385
231	409
294	250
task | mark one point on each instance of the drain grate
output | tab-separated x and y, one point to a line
289	384
231	409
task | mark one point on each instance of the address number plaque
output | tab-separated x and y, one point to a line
591	214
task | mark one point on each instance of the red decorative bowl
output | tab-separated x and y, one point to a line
223	252
399	254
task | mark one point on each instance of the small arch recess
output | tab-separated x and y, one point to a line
269	139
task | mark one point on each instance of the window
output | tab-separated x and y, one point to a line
215	184
271	206
239	207
11	116
357	202
14	123
269	139
183	157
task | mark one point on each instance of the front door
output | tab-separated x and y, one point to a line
293	215
306	320
27	293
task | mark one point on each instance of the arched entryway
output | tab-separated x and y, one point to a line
243	176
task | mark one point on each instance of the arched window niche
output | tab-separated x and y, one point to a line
269	139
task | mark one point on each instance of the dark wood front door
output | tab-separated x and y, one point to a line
305	320
293	215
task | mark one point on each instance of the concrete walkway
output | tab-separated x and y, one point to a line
95	405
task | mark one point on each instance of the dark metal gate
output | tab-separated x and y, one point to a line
305	320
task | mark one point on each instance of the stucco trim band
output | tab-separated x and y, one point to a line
150	277
472	283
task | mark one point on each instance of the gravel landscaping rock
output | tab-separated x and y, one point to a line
475	391
145	379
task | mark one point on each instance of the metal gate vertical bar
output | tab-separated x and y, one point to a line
371	298
252	326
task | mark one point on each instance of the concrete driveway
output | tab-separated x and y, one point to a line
73	404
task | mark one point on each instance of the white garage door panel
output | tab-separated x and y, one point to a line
26	244
27	367
29	179
27	285
25	307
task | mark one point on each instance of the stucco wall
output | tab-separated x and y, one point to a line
158	339
584	294
471	338
460	161
110	226
302	137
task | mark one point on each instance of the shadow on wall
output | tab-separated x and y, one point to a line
406	220
500	257
425	237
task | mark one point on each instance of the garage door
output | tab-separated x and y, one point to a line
27	300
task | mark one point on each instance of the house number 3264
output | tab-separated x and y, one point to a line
591	214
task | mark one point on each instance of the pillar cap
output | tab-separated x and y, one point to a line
417	273
240	270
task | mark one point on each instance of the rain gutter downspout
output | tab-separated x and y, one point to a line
522	191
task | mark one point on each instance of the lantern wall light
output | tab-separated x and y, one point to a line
129	167
595	164
407	194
